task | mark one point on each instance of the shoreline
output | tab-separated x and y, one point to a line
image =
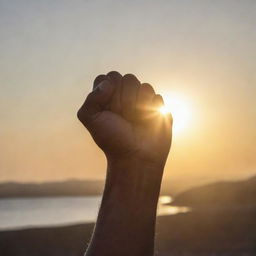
227	233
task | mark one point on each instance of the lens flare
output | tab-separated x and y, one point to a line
164	110
180	110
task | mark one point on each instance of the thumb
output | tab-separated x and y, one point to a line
95	102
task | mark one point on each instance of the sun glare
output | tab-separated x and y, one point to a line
180	110
164	110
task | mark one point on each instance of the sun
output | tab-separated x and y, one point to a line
164	110
180	109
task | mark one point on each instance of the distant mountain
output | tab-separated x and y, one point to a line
65	188
239	193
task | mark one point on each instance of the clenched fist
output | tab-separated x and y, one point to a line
123	117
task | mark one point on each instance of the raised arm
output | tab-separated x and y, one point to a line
123	118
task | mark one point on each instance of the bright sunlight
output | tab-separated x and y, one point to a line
180	110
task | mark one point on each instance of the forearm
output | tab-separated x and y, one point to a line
126	221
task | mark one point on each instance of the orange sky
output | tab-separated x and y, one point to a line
51	51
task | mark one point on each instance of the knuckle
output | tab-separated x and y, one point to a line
114	77
130	77
91	96
99	79
159	98
79	114
147	87
82	115
114	74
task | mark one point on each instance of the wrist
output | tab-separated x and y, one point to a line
135	160
132	178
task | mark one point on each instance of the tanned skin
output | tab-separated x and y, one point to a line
122	116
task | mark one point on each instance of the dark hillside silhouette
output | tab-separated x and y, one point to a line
228	194
65	188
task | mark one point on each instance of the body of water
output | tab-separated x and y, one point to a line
18	213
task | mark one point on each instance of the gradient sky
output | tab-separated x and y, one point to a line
50	52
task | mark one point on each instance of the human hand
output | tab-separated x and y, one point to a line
123	118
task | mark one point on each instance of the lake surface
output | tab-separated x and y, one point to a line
16	213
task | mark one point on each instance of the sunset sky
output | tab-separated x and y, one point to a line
203	52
